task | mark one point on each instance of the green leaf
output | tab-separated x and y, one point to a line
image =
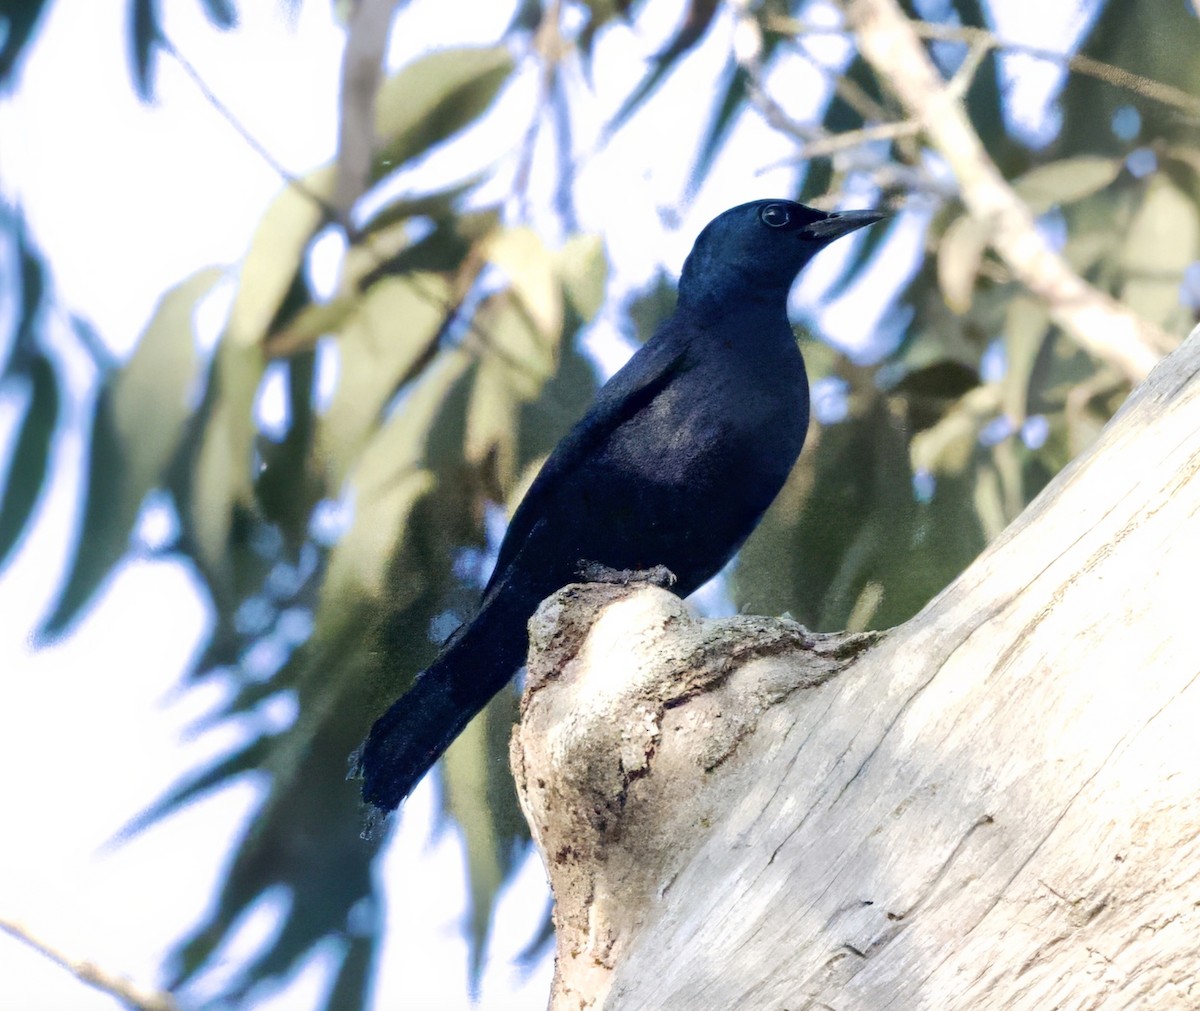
304	838
948	446
21	19
219	482
435	97
32	292
382	583
1066	181
222	13
650	306
959	256
698	18
275	257
438	205
30	462
734	93
391	333
531	270
389	479
107	521
139	419
286	488
1118	35
150	394
1027	327
314	321
517	361
945	379
145	40
479	794
1092	225
442	250
583	266
1162	240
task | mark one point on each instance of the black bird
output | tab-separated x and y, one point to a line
674	465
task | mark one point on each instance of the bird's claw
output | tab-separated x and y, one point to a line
595	572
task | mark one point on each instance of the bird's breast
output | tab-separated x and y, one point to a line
720	422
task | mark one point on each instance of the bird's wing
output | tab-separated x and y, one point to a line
628	392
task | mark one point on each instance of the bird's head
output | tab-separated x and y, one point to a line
754	251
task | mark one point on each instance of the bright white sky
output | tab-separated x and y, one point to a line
126	200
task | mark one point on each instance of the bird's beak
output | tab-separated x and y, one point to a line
841	223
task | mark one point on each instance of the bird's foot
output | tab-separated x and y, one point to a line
595	572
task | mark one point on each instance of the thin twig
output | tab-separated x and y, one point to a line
964	76
1098	323
564	198
224	111
360	87
837	142
848	90
88	972
548	44
748	52
814	141
1147	87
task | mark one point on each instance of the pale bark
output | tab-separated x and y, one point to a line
993	806
1097	322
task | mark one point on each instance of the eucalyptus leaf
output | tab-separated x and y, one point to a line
697	20
150	395
145	39
276	255
531	269
1066	181
435	97
948	446
479	795
390	477
959	256
219	484
314	321
583	266
138	423
1162	240
29	467
381	344
439	204
1027	329
516	360
22	19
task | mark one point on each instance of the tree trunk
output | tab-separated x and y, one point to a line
993	806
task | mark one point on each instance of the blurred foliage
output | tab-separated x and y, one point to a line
330	550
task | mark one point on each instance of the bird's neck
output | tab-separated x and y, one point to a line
763	311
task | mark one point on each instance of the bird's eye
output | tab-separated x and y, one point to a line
775	215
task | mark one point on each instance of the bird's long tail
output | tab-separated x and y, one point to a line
415	732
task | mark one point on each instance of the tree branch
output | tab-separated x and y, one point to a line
989	807
1078	63
1118	77
88	972
1097	322
362	72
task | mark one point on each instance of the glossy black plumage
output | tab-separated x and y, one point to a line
673	465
